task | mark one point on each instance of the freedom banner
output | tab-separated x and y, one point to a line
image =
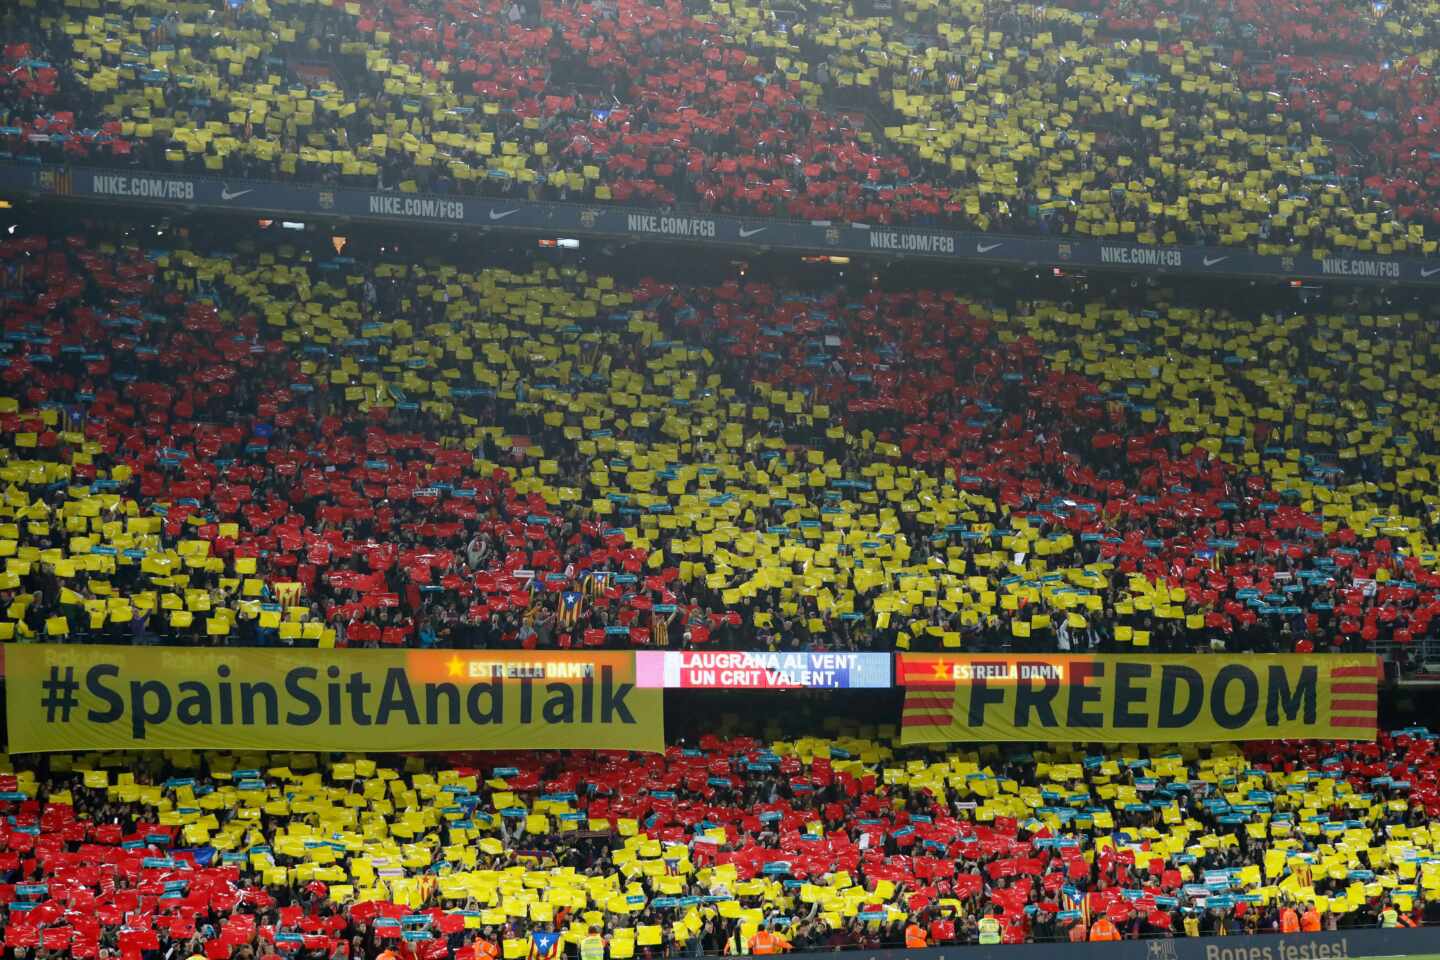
62	697
742	670
1137	699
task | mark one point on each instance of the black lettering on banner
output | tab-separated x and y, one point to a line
194	707
432	703
227	708
140	712
1041	699
1251	702
1082	694
494	691
93	676
297	700
527	695
357	688
396	695
333	673
248	693
1127	694
612	697
304	696
981	695
1281	696
1171	677
560	704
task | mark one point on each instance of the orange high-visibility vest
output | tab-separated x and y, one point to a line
764	943
1104	931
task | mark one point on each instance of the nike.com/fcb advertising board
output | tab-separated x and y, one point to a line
297	201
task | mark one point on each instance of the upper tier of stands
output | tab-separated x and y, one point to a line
1312	129
262	446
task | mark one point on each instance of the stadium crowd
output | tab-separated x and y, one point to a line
271	447
1314	130
725	845
263	444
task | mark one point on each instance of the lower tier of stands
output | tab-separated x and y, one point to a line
821	844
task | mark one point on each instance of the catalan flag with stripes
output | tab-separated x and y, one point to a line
1354	691
593	583
1137	699
570	607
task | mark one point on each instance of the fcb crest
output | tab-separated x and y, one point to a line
588	218
55	181
327	199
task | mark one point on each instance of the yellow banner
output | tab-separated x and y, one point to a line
62	697
1137	699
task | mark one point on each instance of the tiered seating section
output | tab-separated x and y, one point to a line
1303	127
831	843
269	448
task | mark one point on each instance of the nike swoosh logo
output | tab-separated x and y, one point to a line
749	232
1428	273
1211	261
225	193
502	214
986	247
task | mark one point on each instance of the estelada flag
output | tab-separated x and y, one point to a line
569	607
